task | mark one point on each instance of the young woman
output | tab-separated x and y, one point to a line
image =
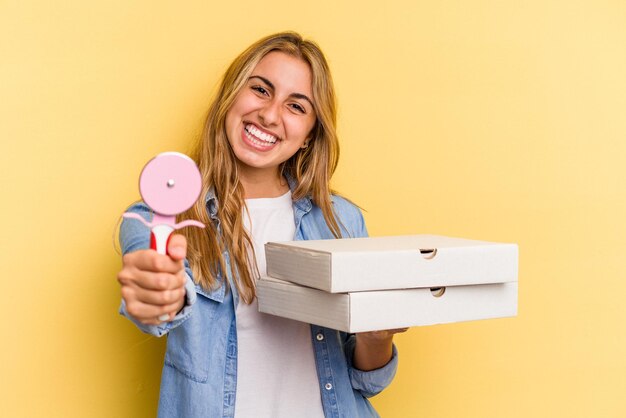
267	153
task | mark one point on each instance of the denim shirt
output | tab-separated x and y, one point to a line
199	376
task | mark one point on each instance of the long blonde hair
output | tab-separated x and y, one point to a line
311	167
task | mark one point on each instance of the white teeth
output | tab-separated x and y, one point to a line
257	134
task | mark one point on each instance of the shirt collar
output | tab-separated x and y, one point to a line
303	204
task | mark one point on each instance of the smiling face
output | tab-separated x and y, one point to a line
272	116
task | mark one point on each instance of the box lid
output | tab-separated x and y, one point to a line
392	262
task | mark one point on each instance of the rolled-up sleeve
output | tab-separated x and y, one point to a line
371	382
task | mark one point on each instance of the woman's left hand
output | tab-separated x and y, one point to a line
380	335
374	348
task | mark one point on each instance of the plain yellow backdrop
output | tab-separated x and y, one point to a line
493	120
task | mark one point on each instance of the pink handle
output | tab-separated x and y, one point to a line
189	222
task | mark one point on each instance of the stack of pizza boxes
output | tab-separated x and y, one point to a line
367	284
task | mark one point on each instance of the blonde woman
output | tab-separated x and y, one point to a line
267	153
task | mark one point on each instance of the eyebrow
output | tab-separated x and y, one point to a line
295	95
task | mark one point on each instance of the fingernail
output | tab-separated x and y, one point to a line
164	317
177	251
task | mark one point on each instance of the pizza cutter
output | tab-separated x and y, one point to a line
169	184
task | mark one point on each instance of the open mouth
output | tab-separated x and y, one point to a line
258	137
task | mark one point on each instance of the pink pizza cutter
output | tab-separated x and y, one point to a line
169	184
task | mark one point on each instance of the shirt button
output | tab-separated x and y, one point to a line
319	336
328	386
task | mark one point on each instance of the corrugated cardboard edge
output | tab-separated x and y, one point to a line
289	265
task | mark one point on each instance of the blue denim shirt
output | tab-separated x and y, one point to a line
199	376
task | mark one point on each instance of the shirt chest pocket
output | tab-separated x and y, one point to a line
193	346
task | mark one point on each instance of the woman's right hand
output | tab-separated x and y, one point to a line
153	285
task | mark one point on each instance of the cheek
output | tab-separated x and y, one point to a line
245	102
301	129
240	107
235	115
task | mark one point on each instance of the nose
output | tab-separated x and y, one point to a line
269	113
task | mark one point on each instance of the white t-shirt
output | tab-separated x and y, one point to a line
276	374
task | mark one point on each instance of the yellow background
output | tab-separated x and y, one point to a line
494	120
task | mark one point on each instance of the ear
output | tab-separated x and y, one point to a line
306	143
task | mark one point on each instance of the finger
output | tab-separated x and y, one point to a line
389	331
382	334
157	281
134	277
150	260
392	332
177	247
160	319
149	314
398	330
160	297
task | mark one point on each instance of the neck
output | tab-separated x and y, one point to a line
260	184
